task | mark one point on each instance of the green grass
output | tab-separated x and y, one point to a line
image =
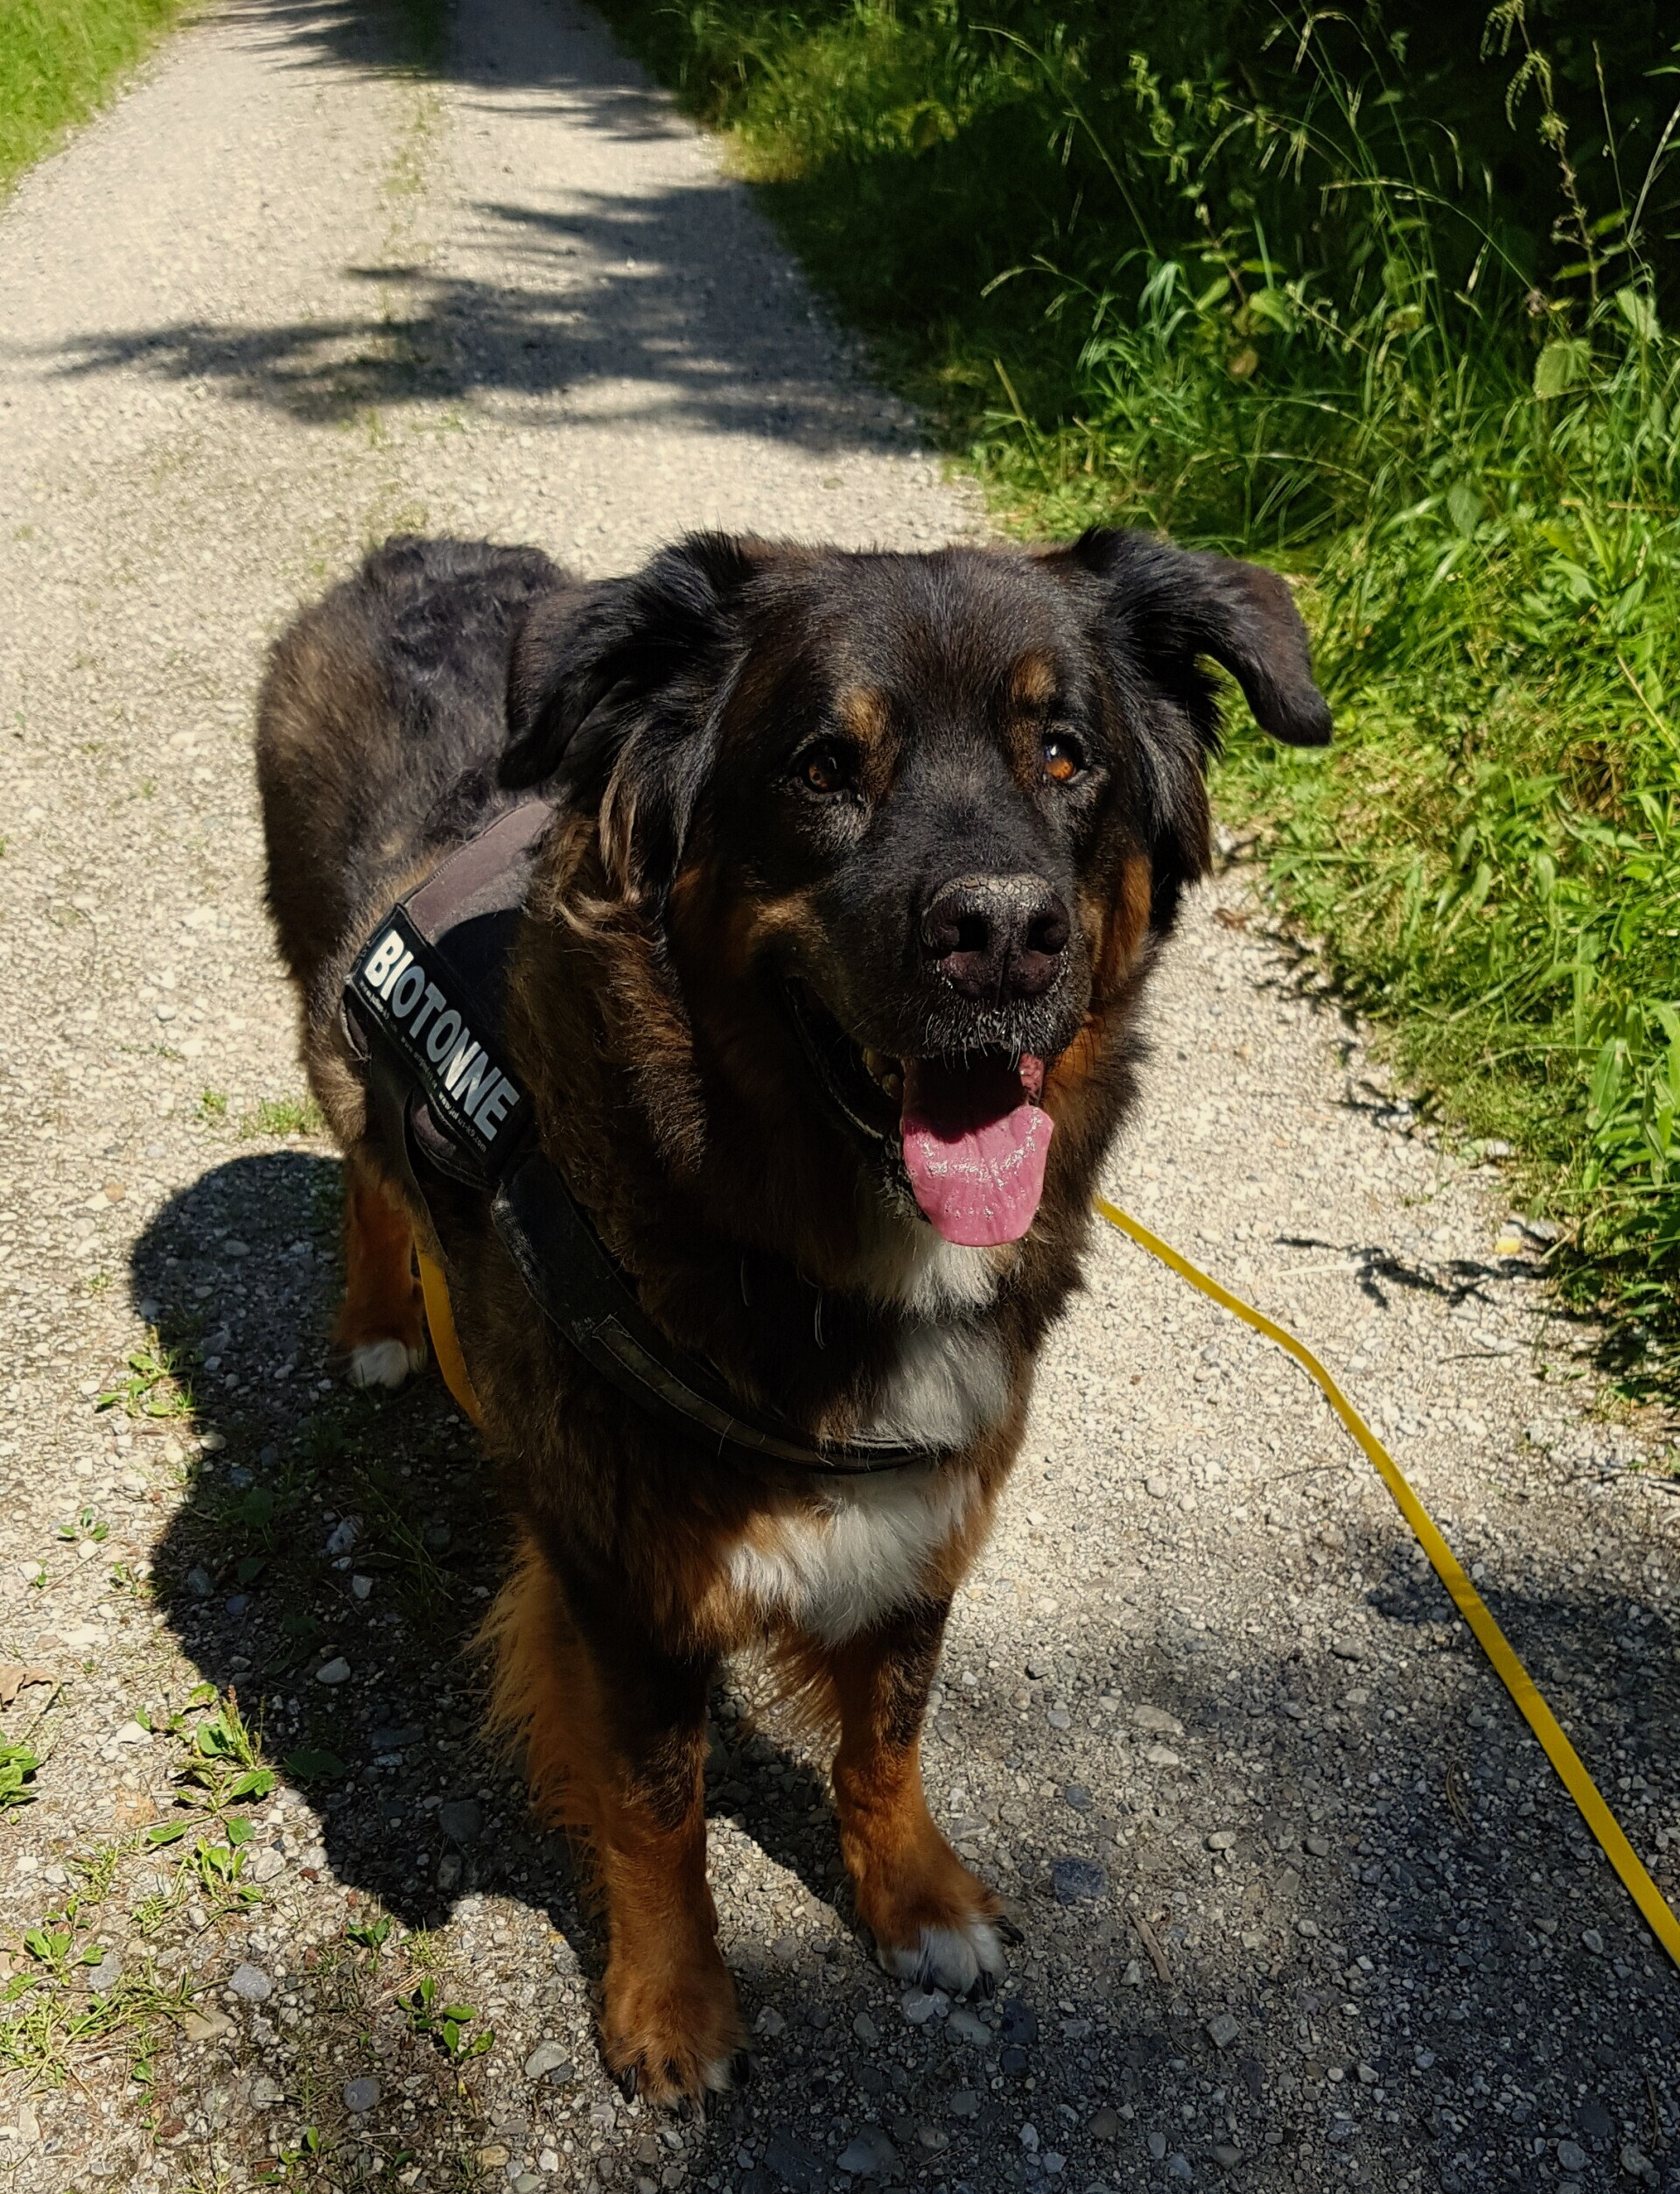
59	60
1385	302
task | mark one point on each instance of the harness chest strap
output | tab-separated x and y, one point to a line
424	1007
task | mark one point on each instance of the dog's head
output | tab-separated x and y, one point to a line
912	816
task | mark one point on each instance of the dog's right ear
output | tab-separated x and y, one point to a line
614	690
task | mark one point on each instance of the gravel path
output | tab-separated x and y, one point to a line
1301	1901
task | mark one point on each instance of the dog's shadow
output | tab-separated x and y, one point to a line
332	1561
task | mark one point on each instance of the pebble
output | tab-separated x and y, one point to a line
1156	1488
548	2057
1058	1718
1223	2030
1106	2125
964	2104
1077	1881
1156	1718
1156	2143
1306	1927
1162	1755
1570	2157
1636	2163
463	1819
394	1738
965	2025
238	1604
344	1535
1178	2167
334	1671
1078	1796
265	2092
1594	1941
361	2094
1222	1839
1319	1845
199	1584
132	1732
362	1587
919	2005
1040	1664
770	2023
206	2026
449	1870
104	1976
870	2154
1226	2155
252	1983
868	2033
266	1864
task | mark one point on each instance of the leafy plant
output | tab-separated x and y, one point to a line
445	2023
18	1766
154	1386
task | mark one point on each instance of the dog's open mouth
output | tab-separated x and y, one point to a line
970	1131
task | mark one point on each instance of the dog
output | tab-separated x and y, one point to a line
826	992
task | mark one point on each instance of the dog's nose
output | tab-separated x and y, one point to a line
998	939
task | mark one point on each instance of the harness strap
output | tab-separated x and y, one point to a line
423	1007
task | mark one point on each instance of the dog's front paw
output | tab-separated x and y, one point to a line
674	2035
386	1363
933	1921
964	1959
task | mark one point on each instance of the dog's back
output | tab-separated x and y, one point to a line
380	722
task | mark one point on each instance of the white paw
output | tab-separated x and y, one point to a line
385	1362
953	1958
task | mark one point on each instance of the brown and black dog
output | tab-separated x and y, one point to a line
858	866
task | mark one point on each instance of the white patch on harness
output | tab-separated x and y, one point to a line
857	1555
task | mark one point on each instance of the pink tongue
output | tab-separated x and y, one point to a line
973	1148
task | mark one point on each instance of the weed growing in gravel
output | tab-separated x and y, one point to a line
286	1116
212	1107
155	1386
445	2023
18	1765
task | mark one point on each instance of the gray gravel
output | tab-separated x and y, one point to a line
1298	1898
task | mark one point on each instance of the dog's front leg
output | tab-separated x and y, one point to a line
932	1919
671	2024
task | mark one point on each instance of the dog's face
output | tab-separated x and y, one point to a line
914	814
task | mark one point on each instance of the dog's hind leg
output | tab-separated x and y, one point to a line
933	1921
380	1325
614	1736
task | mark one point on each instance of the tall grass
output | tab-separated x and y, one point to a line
58	60
1283	291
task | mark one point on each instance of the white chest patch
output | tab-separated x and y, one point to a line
859	1555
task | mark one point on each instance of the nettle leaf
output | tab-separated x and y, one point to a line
1563	363
240	1830
255	1782
169	1832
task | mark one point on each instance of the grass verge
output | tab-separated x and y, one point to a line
1382	299
59	60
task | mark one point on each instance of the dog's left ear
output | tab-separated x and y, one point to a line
613	693
1167	607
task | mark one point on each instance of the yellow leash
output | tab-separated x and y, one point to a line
1466	1598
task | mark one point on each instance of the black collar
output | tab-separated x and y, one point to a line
425	1007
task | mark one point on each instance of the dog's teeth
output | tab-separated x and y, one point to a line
893	1084
884	1072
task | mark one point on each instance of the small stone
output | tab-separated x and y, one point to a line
463	1819
265	2092
1051	2163
1367	2075
252	1983
104	1976
866	2030
1306	1927
1039	1665
1226	2155
362	1587
869	2155
1078	1796
1058	1718
1347	1649
1028	2137
965	2025
206	2026
266	1864
964	2104
494	2157
449	1871
238	1603
1570	2157
528	2182
1223	2030
199	1583
770	2023
1156	2143
334	1671
395	1738
1319	1845
1020	2021
1157	1719
1077	1881
1636	2163
1106	2125
1162	1755
361	2094
1156	1488
933	2137
546	2058
344	1536
1594	1941
1222	1839
920	2005
132	1732
1178	2167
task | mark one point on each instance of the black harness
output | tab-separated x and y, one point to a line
424	1008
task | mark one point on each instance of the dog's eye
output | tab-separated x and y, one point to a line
825	769
1063	758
